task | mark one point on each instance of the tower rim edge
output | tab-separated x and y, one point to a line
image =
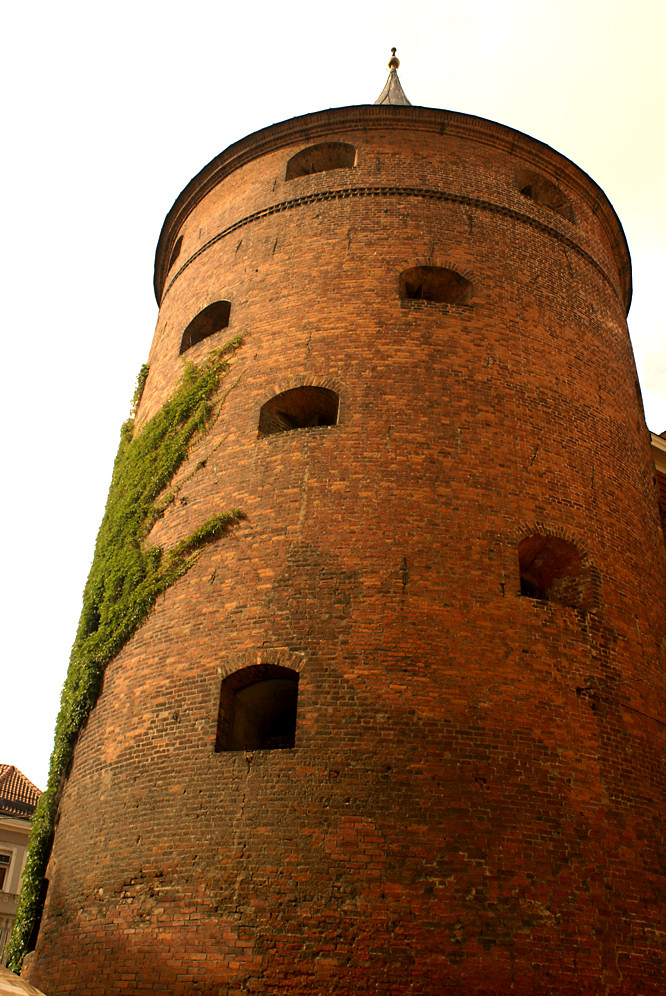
371	116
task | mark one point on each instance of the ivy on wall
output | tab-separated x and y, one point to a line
125	580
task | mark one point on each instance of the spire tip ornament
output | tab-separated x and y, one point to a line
393	92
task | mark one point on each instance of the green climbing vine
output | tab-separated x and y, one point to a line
125	580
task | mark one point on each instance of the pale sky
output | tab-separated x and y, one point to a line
109	109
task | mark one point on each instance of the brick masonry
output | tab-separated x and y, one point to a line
475	802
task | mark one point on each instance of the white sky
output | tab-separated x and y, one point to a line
109	108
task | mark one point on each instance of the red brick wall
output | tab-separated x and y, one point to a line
661	490
661	483
475	802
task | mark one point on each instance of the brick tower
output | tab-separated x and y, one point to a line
401	728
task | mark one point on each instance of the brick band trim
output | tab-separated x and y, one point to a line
309	128
255	657
344	193
305	380
523	530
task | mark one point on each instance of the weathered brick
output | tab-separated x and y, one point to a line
475	801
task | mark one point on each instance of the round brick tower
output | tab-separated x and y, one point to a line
402	729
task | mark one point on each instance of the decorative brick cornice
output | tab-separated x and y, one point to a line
370	117
623	293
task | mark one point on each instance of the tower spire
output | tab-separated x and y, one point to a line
393	92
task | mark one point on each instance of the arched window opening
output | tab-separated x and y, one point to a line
175	252
320	158
552	570
207	322
258	709
299	408
434	283
544	192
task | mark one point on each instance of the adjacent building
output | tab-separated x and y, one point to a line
18	798
659	456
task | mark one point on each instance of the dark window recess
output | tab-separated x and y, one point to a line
258	709
544	192
298	409
320	158
552	570
434	283
175	252
207	322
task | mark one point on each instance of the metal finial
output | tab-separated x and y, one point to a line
393	92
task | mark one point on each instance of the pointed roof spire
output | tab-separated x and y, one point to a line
393	92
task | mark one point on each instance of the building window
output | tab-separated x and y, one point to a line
209	321
434	283
258	709
5	862
544	192
320	158
552	570
299	408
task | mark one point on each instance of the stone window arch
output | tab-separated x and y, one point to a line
258	707
537	188
321	158
552	569
434	283
209	321
299	408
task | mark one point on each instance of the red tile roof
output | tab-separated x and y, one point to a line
18	796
